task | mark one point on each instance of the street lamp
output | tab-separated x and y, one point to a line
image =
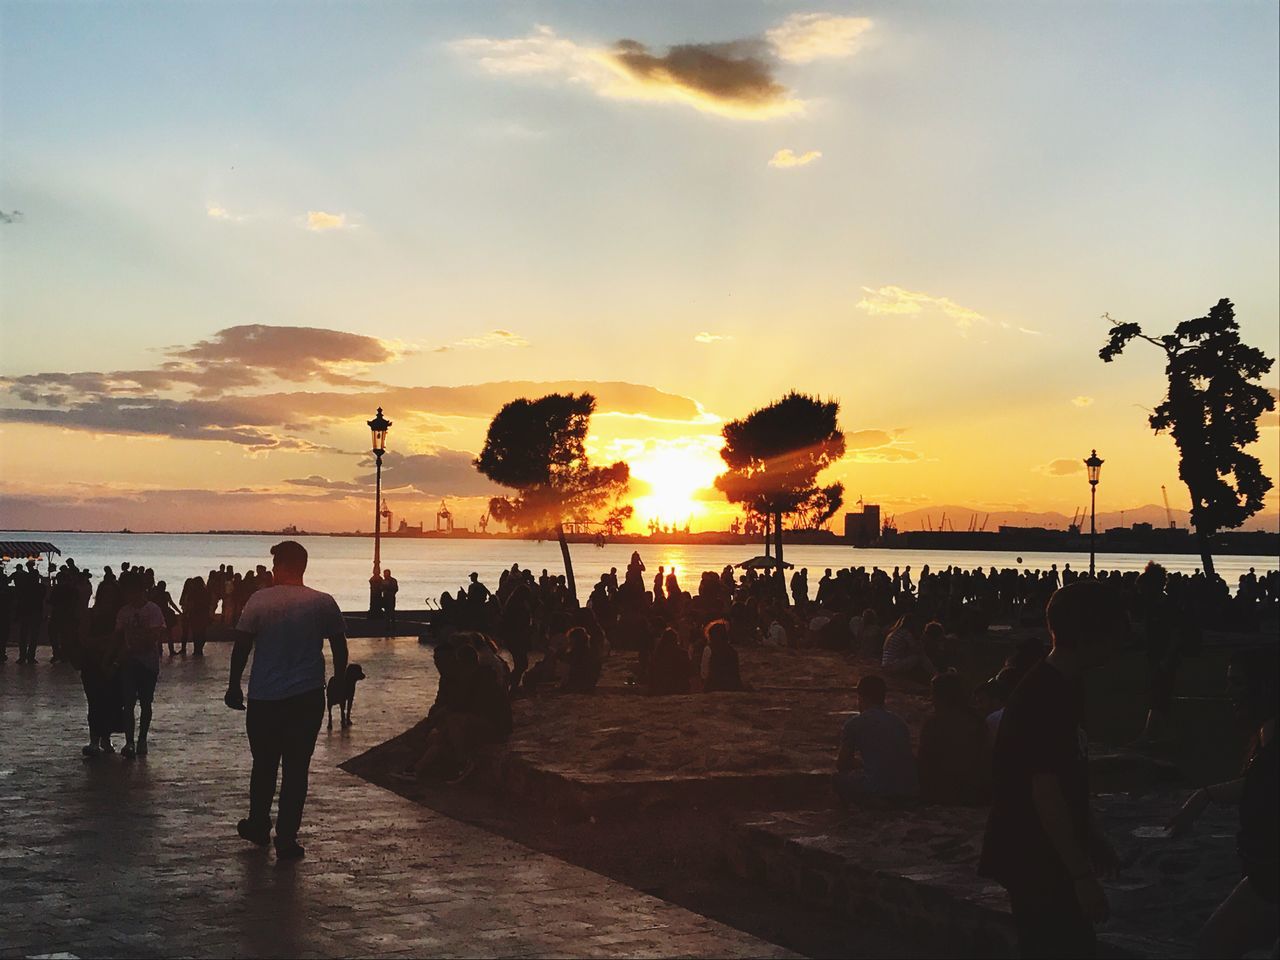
378	425
1094	466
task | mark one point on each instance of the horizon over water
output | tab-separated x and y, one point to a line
425	568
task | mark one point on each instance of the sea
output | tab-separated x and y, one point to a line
427	567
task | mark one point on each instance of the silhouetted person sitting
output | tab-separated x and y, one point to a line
720	669
669	667
284	627
904	654
955	761
583	663
1042	841
473	712
874	764
1246	920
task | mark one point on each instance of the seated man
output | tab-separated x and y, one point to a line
955	755
720	668
669	667
472	710
904	654
874	763
583	661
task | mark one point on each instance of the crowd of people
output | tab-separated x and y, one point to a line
1015	743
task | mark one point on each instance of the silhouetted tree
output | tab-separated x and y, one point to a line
537	447
775	454
1212	409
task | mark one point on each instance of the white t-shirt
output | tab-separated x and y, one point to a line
289	625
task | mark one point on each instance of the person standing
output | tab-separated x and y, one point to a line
140	630
284	626
1042	841
390	587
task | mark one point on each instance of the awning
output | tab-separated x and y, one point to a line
22	549
763	563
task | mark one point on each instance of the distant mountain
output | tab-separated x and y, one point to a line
959	517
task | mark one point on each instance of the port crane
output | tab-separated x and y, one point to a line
1167	512
483	523
444	519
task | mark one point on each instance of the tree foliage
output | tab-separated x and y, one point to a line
1212	409
775	454
538	448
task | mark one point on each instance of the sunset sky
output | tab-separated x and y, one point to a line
922	210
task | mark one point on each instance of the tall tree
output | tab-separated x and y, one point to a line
774	456
538	448
1212	410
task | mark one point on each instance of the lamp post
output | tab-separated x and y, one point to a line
378	425
1094	466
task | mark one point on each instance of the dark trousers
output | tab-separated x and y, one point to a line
282	734
103	699
1050	923
28	635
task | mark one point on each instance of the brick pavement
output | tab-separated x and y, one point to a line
112	858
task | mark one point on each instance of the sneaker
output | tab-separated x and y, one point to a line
91	750
142	747
107	747
128	752
467	769
253	833
289	849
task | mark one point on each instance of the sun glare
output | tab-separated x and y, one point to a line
674	475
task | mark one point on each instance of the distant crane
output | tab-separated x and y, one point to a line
444	519
483	523
1076	519
984	522
1167	512
386	512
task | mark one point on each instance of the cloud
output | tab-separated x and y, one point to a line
805	37
185	397
324	483
215	212
11	216
494	338
705	337
1082	401
291	353
440	473
785	159
318	220
865	439
878	446
886	455
733	79
1061	468
898	301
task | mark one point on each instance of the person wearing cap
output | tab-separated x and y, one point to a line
284	626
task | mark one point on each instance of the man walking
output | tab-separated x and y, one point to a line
285	627
1042	841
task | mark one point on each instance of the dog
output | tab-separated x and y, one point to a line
344	702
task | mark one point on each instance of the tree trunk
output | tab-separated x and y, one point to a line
782	570
1204	537
767	537
568	565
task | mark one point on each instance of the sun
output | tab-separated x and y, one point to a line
673	475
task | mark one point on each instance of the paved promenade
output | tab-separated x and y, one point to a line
117	858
